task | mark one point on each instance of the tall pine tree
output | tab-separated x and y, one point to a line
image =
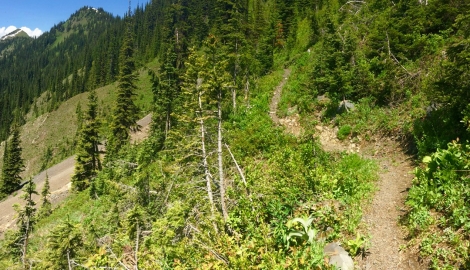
232	26
165	91
13	164
219	82
87	156
126	113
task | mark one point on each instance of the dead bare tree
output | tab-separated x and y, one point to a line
220	157
204	153
26	217
136	251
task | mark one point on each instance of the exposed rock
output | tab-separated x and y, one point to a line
292	124
338	256
342	261
432	108
334	248
346	105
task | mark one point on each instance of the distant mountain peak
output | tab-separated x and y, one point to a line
15	33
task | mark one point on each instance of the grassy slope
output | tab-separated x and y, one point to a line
56	130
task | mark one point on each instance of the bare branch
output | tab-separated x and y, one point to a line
117	259
238	167
213	252
390	54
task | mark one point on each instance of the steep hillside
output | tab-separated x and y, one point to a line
282	135
50	137
59	177
21	82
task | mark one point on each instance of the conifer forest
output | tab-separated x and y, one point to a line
284	134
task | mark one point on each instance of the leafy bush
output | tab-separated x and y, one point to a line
439	215
436	129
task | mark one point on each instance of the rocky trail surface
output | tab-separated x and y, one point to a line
59	180
380	217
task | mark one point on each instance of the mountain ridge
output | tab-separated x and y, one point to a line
15	33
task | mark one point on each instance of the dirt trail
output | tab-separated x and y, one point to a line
382	215
59	179
277	97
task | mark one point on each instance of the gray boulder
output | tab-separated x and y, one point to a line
338	256
346	105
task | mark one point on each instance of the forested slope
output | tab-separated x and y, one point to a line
218	184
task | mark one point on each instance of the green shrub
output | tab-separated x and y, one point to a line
438	202
344	132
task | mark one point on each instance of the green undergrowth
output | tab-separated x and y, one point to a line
368	120
297	91
439	215
402	120
287	179
299	180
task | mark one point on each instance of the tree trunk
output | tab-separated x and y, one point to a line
219	153
25	243
204	159
238	167
68	260
235	74
137	247
234	98
247	92
167	121
96	156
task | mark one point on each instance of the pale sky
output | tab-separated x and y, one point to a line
38	16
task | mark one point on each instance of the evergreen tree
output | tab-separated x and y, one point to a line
87	156
13	164
165	91
46	206
196	97
126	113
17	241
232	24
26	218
64	242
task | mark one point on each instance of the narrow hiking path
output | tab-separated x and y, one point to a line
277	97
59	179
380	217
387	206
